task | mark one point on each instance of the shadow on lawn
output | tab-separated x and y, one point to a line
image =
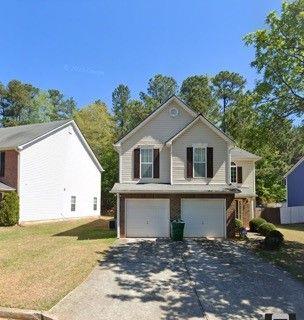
89	231
230	282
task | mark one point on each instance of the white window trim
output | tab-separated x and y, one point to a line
146	148
202	146
236	174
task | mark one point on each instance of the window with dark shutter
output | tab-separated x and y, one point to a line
136	164
209	162
239	174
189	162
156	163
2	163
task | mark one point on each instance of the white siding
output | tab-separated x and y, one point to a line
199	133
51	171
155	133
248	173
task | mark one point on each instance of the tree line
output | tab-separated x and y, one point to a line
265	120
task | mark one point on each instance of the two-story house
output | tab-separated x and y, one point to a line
53	170
177	164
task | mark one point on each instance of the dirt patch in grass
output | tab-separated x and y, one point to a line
41	263
291	256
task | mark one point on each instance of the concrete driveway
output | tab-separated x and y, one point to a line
193	280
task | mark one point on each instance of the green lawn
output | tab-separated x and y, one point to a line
291	256
40	264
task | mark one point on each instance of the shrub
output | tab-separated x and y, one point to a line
273	240
9	209
265	228
238	224
255	223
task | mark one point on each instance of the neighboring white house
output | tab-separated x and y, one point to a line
53	169
176	164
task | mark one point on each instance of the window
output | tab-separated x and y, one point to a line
239	210
2	163
199	162
95	203
146	163
73	203
233	175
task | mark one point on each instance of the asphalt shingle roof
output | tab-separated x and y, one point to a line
13	137
238	153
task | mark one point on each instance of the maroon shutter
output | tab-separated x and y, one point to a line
189	162
239	175
2	162
156	163
209	162
136	163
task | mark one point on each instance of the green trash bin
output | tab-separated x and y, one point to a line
177	230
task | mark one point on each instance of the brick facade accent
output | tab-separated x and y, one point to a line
175	207
11	169
246	204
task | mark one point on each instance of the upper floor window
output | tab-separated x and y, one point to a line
146	163
233	175
2	163
199	162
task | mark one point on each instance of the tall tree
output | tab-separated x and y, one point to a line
62	108
279	58
98	127
160	88
120	100
196	92
227	87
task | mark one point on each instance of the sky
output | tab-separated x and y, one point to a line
85	48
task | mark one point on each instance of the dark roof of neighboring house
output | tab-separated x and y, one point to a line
13	137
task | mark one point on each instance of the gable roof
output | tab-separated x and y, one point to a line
200	117
153	114
14	137
294	167
21	137
241	154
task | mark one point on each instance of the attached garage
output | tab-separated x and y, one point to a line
147	217
204	217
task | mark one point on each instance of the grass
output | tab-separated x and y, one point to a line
291	256
40	264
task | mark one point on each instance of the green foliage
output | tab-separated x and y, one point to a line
197	93
160	88
273	240
98	127
265	228
238	224
255	223
9	209
21	103
279	58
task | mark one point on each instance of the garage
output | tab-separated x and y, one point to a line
147	218
204	217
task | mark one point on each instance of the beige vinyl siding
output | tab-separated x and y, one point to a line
248	175
155	133
199	133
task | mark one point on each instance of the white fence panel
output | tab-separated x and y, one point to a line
292	215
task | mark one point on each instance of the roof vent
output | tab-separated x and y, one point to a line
174	112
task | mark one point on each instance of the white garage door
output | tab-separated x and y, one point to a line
204	217
147	217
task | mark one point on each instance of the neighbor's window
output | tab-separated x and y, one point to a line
146	163
239	210
73	203
233	175
199	162
95	204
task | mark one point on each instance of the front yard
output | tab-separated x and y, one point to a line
291	256
41	263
